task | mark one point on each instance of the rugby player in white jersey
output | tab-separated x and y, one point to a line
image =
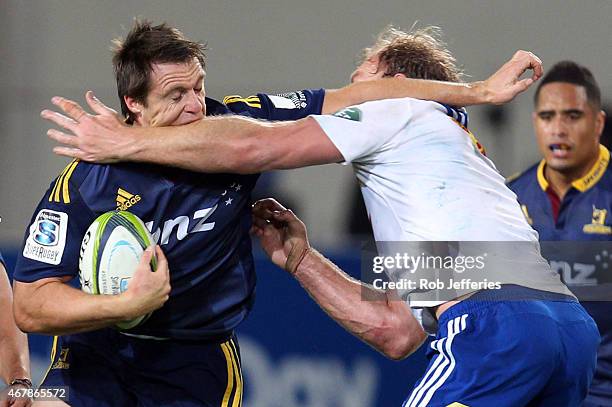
423	179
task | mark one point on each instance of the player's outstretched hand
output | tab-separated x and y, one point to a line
281	234
101	137
147	290
505	84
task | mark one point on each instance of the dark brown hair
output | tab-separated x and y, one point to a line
147	44
576	74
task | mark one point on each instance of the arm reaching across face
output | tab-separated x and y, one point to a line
234	144
501	87
382	321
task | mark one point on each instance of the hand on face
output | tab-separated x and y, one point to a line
100	137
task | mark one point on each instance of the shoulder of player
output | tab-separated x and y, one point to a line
522	178
307	101
89	181
606	181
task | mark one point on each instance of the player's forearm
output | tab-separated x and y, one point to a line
56	308
233	145
14	352
228	144
457	94
369	314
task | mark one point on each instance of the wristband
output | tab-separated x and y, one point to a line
23	382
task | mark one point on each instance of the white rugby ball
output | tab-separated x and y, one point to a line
110	252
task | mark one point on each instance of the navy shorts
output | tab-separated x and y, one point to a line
510	353
107	368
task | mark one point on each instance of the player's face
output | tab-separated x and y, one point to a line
567	128
176	96
368	70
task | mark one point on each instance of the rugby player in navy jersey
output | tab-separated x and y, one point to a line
14	356
200	221
567	196
423	178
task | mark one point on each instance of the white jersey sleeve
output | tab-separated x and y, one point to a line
361	130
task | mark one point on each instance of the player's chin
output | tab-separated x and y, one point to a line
187	120
560	164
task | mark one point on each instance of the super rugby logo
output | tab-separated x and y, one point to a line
47	237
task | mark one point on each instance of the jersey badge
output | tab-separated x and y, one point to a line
597	225
290	100
350	113
47	237
62	360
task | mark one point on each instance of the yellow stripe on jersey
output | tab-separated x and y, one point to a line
61	184
238	373
230	375
53	353
65	192
252	101
455	404
58	182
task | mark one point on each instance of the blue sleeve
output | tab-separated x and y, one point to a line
52	241
2	261
283	106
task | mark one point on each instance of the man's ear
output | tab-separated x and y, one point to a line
400	75
133	105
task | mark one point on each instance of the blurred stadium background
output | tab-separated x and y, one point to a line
293	354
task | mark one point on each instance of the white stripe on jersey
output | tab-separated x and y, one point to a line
442	367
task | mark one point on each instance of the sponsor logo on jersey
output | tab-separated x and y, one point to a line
350	113
47	237
597	225
126	200
290	100
182	226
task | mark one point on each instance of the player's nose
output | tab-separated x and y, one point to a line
558	127
194	102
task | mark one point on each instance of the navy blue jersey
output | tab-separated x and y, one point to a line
200	220
582	222
2	261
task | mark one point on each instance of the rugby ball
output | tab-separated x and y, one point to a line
110	252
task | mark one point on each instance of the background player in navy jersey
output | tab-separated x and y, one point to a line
567	196
201	221
405	154
14	356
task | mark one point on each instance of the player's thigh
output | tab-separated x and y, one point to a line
88	372
188	374
490	357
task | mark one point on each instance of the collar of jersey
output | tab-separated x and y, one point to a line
589	180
